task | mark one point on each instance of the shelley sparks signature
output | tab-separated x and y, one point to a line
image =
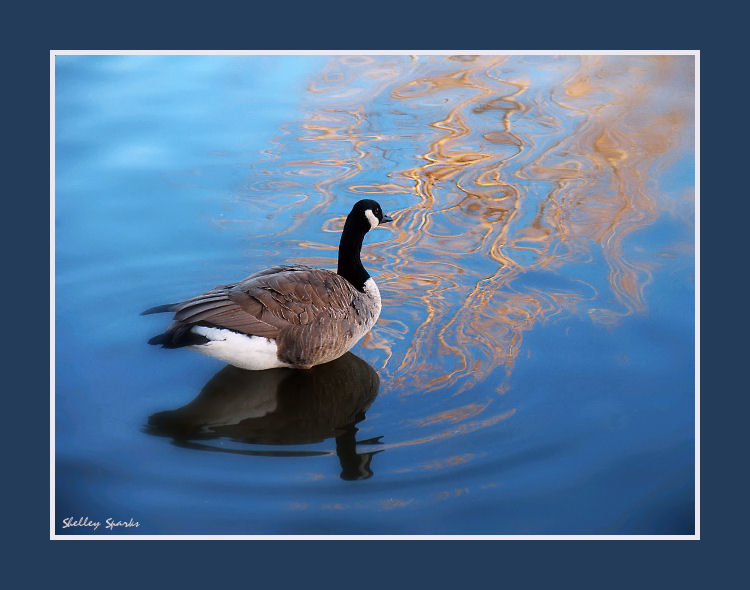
109	523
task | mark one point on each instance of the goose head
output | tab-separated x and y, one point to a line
367	214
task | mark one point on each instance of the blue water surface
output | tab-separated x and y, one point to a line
535	353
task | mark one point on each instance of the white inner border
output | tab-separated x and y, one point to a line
52	517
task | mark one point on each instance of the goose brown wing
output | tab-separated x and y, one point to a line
271	301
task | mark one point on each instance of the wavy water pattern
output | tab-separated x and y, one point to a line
533	368
516	184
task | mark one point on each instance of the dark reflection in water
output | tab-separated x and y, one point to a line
280	407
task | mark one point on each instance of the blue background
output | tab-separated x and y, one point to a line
163	186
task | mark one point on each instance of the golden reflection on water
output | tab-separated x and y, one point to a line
492	178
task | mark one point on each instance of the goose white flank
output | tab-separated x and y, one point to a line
286	316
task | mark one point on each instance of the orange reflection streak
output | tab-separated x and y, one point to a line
496	183
464	428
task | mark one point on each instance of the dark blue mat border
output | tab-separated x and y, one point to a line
640	25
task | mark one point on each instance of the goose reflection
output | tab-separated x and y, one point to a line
280	407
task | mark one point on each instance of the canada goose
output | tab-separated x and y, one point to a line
285	316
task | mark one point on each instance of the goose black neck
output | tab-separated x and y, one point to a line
350	246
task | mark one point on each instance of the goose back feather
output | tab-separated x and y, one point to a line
313	315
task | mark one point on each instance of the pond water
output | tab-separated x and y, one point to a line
533	368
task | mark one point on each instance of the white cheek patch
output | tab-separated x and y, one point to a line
372	219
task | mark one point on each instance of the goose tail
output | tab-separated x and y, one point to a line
160	309
178	337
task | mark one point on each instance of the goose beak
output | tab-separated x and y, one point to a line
386	219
